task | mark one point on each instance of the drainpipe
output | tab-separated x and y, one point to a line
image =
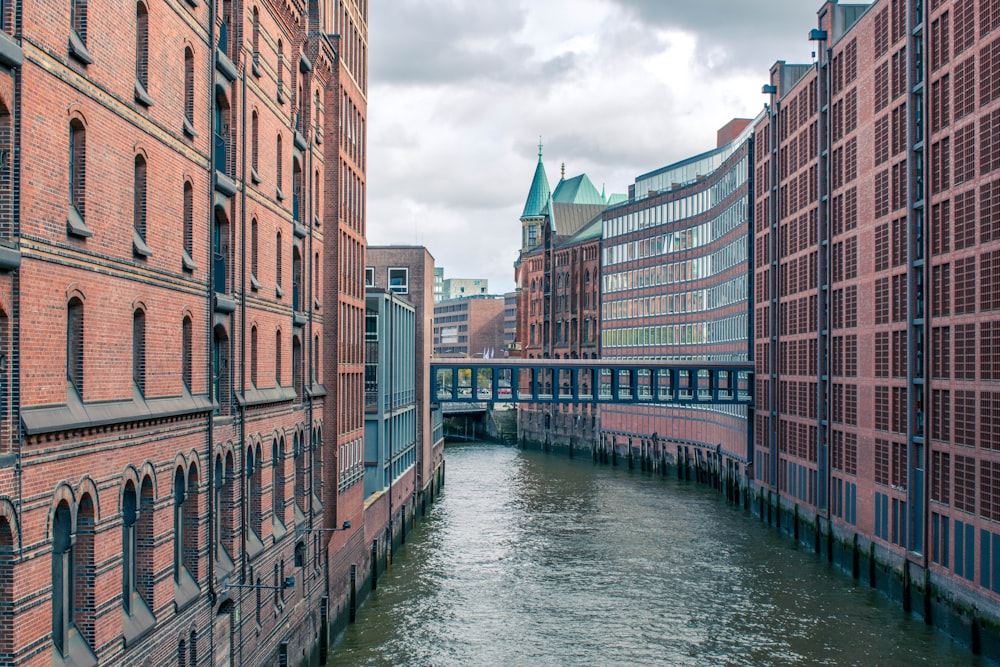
244	496
210	467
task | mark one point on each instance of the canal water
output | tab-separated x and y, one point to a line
535	559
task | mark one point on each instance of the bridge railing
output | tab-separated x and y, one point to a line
592	381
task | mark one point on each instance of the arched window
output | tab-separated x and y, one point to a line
253	355
278	352
63	585
139	245
253	249
189	91
277	263
296	278
223	530
192	516
279	180
188	230
256	40
278	481
220	370
74	345
130	543
254	494
142	54
6	591
180	484
317	463
186	362
281	72
139	350
298	452
77	177
254	141
297	367
296	190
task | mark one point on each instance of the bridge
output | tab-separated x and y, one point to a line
678	383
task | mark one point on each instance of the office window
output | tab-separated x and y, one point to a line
369	276
399	280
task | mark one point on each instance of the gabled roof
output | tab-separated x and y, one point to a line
538	195
568	219
576	190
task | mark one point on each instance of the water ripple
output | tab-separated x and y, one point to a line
535	560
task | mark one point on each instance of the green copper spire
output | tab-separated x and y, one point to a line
538	196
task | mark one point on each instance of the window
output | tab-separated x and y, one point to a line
296	278
6	575
254	268
399	280
277	358
142	55
256	41
296	190
297	367
369	276
279	171
187	259
278	481
139	246
253	355
298	452
139	350
186	341
74	345
254	493
254	146
277	264
189	92
77	179
179	527
63	587
220	370
281	72
78	31
224	525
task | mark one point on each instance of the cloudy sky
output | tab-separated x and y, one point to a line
460	91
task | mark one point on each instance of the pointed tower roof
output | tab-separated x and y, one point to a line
577	190
538	195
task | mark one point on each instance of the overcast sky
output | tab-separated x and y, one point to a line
460	91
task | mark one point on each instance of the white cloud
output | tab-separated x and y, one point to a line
460	91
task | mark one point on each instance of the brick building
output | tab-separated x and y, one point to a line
675	274
408	271
558	306
875	242
469	327
182	404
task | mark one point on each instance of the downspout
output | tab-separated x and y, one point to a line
244	498
210	467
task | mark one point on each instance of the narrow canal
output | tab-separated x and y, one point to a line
534	559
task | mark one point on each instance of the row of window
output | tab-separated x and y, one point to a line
719	296
725	330
722	260
75	531
75	368
683	239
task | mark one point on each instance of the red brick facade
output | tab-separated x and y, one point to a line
181	315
